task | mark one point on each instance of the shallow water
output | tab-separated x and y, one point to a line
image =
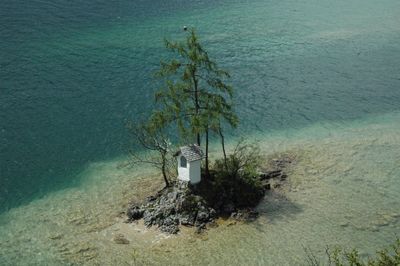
319	79
71	72
342	190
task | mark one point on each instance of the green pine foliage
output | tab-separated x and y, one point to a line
195	96
195	100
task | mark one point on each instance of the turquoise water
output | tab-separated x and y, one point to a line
71	72
304	73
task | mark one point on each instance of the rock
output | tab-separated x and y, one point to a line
181	204
231	223
172	195
382	223
282	162
270	174
120	239
344	224
374	228
170	221
135	213
170	229
162	201
212	212
267	186
252	215
387	217
56	237
188	203
151	198
188	219
167	210
148	218
245	215
203	216
200	228
212	224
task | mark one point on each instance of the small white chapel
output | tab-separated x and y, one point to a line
189	163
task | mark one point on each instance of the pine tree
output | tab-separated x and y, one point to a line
195	96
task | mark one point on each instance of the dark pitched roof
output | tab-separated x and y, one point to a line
191	152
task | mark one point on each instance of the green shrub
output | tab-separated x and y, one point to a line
340	257
236	178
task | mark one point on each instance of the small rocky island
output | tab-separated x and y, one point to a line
200	205
196	100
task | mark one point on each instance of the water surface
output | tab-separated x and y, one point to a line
71	72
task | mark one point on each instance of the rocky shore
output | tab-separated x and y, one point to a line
173	206
199	206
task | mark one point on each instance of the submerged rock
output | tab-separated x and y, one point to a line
267	186
120	239
245	215
270	174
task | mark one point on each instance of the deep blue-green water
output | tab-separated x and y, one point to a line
72	71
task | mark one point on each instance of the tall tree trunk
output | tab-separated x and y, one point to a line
164	172
198	139
223	146
207	166
196	99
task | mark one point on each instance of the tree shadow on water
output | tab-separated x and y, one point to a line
276	206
